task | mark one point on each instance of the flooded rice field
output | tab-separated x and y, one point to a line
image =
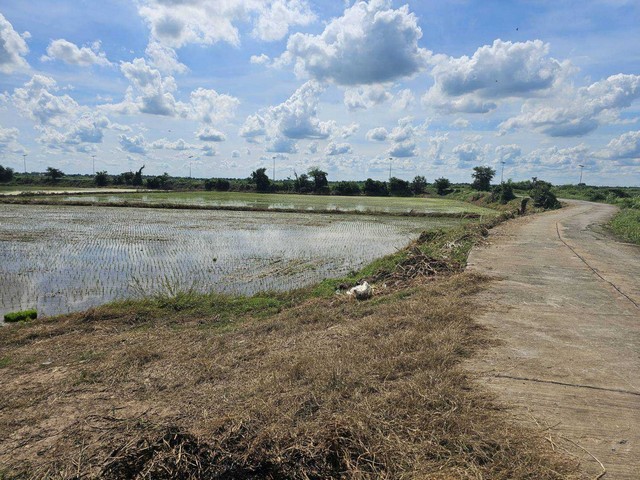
59	259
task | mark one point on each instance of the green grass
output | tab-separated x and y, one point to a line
290	201
626	224
21	316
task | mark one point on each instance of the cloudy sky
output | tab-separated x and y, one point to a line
431	87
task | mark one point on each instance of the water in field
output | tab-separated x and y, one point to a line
59	259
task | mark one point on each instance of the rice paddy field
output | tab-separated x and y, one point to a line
360	204
66	258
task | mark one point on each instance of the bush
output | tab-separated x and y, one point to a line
503	193
218	184
20	316
375	188
542	195
6	174
101	179
443	186
346	188
399	188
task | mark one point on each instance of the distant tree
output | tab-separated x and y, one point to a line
419	185
320	182
6	174
53	174
302	183
443	186
399	188
219	184
346	188
137	177
101	179
482	177
261	180
503	193
375	188
159	183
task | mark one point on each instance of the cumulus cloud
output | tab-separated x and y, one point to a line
208	134
338	149
403	99
379	134
261	59
468	154
508	153
71	54
35	100
349	130
294	119
176	23
370	43
209	106
404	149
580	112
178	145
498	71
133	144
555	158
164	58
13	48
8	139
365	97
626	147
88	129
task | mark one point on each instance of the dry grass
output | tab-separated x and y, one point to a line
323	388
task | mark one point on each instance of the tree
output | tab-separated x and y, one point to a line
419	185
260	178
346	188
399	188
320	182
443	185
302	184
219	184
6	174
101	179
503	193
482	177
53	174
161	182
137	177
375	188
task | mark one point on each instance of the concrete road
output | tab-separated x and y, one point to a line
566	312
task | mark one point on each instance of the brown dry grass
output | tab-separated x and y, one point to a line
324	388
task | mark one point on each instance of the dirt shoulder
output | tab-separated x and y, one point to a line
566	313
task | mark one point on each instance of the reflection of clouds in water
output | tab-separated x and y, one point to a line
75	257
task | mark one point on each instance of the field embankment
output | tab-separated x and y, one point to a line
307	384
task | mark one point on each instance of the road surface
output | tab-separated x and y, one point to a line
566	312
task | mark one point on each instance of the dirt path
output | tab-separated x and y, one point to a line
566	311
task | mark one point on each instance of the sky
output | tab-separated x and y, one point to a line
222	87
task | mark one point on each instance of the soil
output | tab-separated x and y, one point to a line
566	313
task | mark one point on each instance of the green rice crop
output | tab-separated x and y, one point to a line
64	259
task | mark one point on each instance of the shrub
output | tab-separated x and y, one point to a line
375	188
101	179
443	186
399	188
20	316
503	193
346	188
542	195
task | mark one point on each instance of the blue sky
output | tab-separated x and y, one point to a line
432	87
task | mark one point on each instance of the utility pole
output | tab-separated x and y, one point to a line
502	174
581	169
189	158
93	157
390	161
24	160
273	178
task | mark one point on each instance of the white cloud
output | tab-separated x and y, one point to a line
578	112
403	99
261	59
365	97
349	130
13	48
404	149
626	147
8	139
460	123
371	43
338	149
180	22
133	144
468	154
554	158
71	54
294	119
498	71
235	154
508	153
36	101
208	134
209	106
379	134
88	129
178	145
164	58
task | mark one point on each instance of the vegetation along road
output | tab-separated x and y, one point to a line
566	312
